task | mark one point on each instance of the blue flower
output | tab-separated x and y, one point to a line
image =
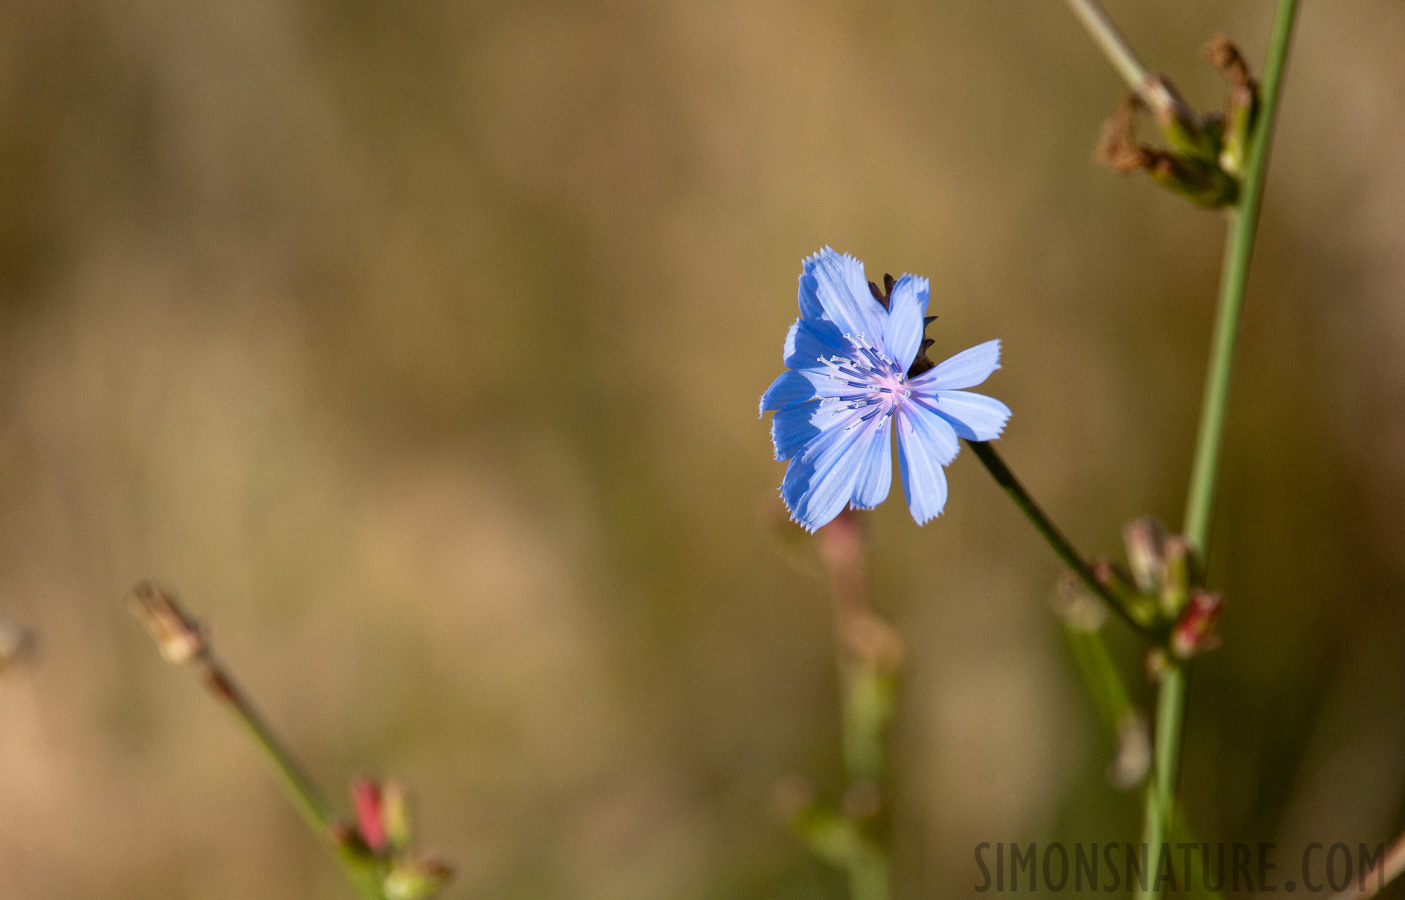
856	365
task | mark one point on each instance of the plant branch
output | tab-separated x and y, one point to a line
181	640
1065	550
869	659
1110	40
1239	251
1170	701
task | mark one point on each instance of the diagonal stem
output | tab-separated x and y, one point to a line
1065	550
181	640
1107	37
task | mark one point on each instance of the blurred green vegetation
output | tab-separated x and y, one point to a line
418	346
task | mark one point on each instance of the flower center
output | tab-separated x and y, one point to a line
880	386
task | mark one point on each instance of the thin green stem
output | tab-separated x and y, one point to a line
182	641
1238	253
869	654
1170	703
316	812
1065	550
1161	787
1107	37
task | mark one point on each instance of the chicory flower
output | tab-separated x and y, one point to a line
858	371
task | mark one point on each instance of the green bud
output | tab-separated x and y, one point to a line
417	879
1241	113
1175	575
831	836
1242	108
1206	185
1178	122
395	815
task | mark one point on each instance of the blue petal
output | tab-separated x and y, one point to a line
787	390
926	442
975	417
966	369
795	427
806	344
876	469
903	334
833	288
819	483
791	429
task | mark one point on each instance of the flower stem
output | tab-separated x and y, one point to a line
181	640
1238	252
1170	701
1161	788
869	654
1107	37
1050	532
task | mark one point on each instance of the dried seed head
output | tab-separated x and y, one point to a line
1225	56
178	636
1117	144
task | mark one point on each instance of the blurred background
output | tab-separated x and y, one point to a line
418	347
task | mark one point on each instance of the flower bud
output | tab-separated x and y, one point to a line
1139	606
1177	121
1175	575
178	636
1146	542
366	801
1207	185
1117	143
1242	107
395	814
1195	632
416	879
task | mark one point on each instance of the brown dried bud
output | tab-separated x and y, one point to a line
178	636
1225	56
1117	144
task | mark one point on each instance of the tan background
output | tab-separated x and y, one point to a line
419	345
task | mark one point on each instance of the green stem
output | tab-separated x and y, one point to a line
1238	253
1107	37
1170	702
1050	532
1161	787
309	802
